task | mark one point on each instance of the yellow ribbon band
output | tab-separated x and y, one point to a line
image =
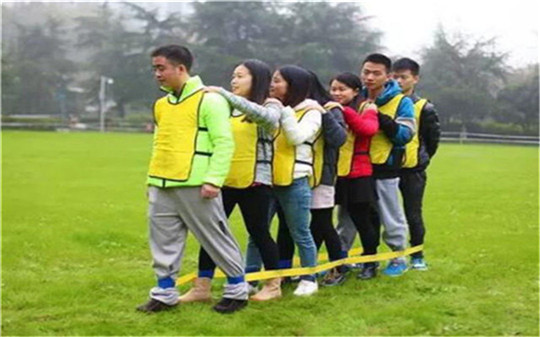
263	275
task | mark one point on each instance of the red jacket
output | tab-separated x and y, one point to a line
364	125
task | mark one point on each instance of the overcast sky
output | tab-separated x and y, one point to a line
409	25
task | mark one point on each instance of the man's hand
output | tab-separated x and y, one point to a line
209	191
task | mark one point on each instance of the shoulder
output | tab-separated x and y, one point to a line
272	102
213	98
429	107
406	107
214	103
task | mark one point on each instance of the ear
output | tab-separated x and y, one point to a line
182	68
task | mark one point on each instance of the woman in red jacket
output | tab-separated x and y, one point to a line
355	188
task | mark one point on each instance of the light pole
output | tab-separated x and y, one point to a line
103	81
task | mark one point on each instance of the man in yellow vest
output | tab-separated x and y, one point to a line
191	156
396	128
418	153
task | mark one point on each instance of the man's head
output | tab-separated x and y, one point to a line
171	65
375	71
406	73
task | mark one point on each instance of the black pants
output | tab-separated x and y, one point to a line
412	186
322	230
365	219
254	203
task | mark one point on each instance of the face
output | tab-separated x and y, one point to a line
167	74
406	80
241	81
342	93
278	86
374	75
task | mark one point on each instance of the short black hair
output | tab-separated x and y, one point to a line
317	91
298	81
379	59
176	54
261	75
349	79
407	64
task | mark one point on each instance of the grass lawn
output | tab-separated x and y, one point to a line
75	258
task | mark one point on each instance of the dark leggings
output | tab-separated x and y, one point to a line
254	203
365	219
322	230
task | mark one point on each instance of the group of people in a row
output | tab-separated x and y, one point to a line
281	143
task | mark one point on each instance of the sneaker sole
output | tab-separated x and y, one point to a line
395	275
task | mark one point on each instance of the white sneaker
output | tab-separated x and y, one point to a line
306	288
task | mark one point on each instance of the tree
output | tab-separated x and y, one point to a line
518	101
326	38
462	79
38	71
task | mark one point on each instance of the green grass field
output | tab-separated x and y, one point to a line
75	259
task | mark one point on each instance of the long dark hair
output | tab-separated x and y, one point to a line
317	90
261	75
298	80
353	82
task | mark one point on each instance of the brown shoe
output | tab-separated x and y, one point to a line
271	290
200	292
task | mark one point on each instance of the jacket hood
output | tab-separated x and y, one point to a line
391	89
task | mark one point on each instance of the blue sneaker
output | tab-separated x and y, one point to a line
396	267
418	263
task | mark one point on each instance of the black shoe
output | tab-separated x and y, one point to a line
229	305
367	272
334	278
154	305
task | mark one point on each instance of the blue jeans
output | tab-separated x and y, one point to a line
295	202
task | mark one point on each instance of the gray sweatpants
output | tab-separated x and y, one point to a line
390	214
174	211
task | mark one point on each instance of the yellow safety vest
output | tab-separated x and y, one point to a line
244	161
411	149
346	151
381	146
285	158
176	137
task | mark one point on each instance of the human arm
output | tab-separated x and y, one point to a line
363	124
298	132
334	129
400	130
267	115
430	129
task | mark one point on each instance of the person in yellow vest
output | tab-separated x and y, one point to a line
355	187
297	166
250	177
418	154
396	128
323	195
191	156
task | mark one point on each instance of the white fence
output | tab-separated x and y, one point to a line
447	136
470	137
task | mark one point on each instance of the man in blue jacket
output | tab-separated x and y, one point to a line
396	128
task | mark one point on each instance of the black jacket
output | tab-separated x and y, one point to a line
429	133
